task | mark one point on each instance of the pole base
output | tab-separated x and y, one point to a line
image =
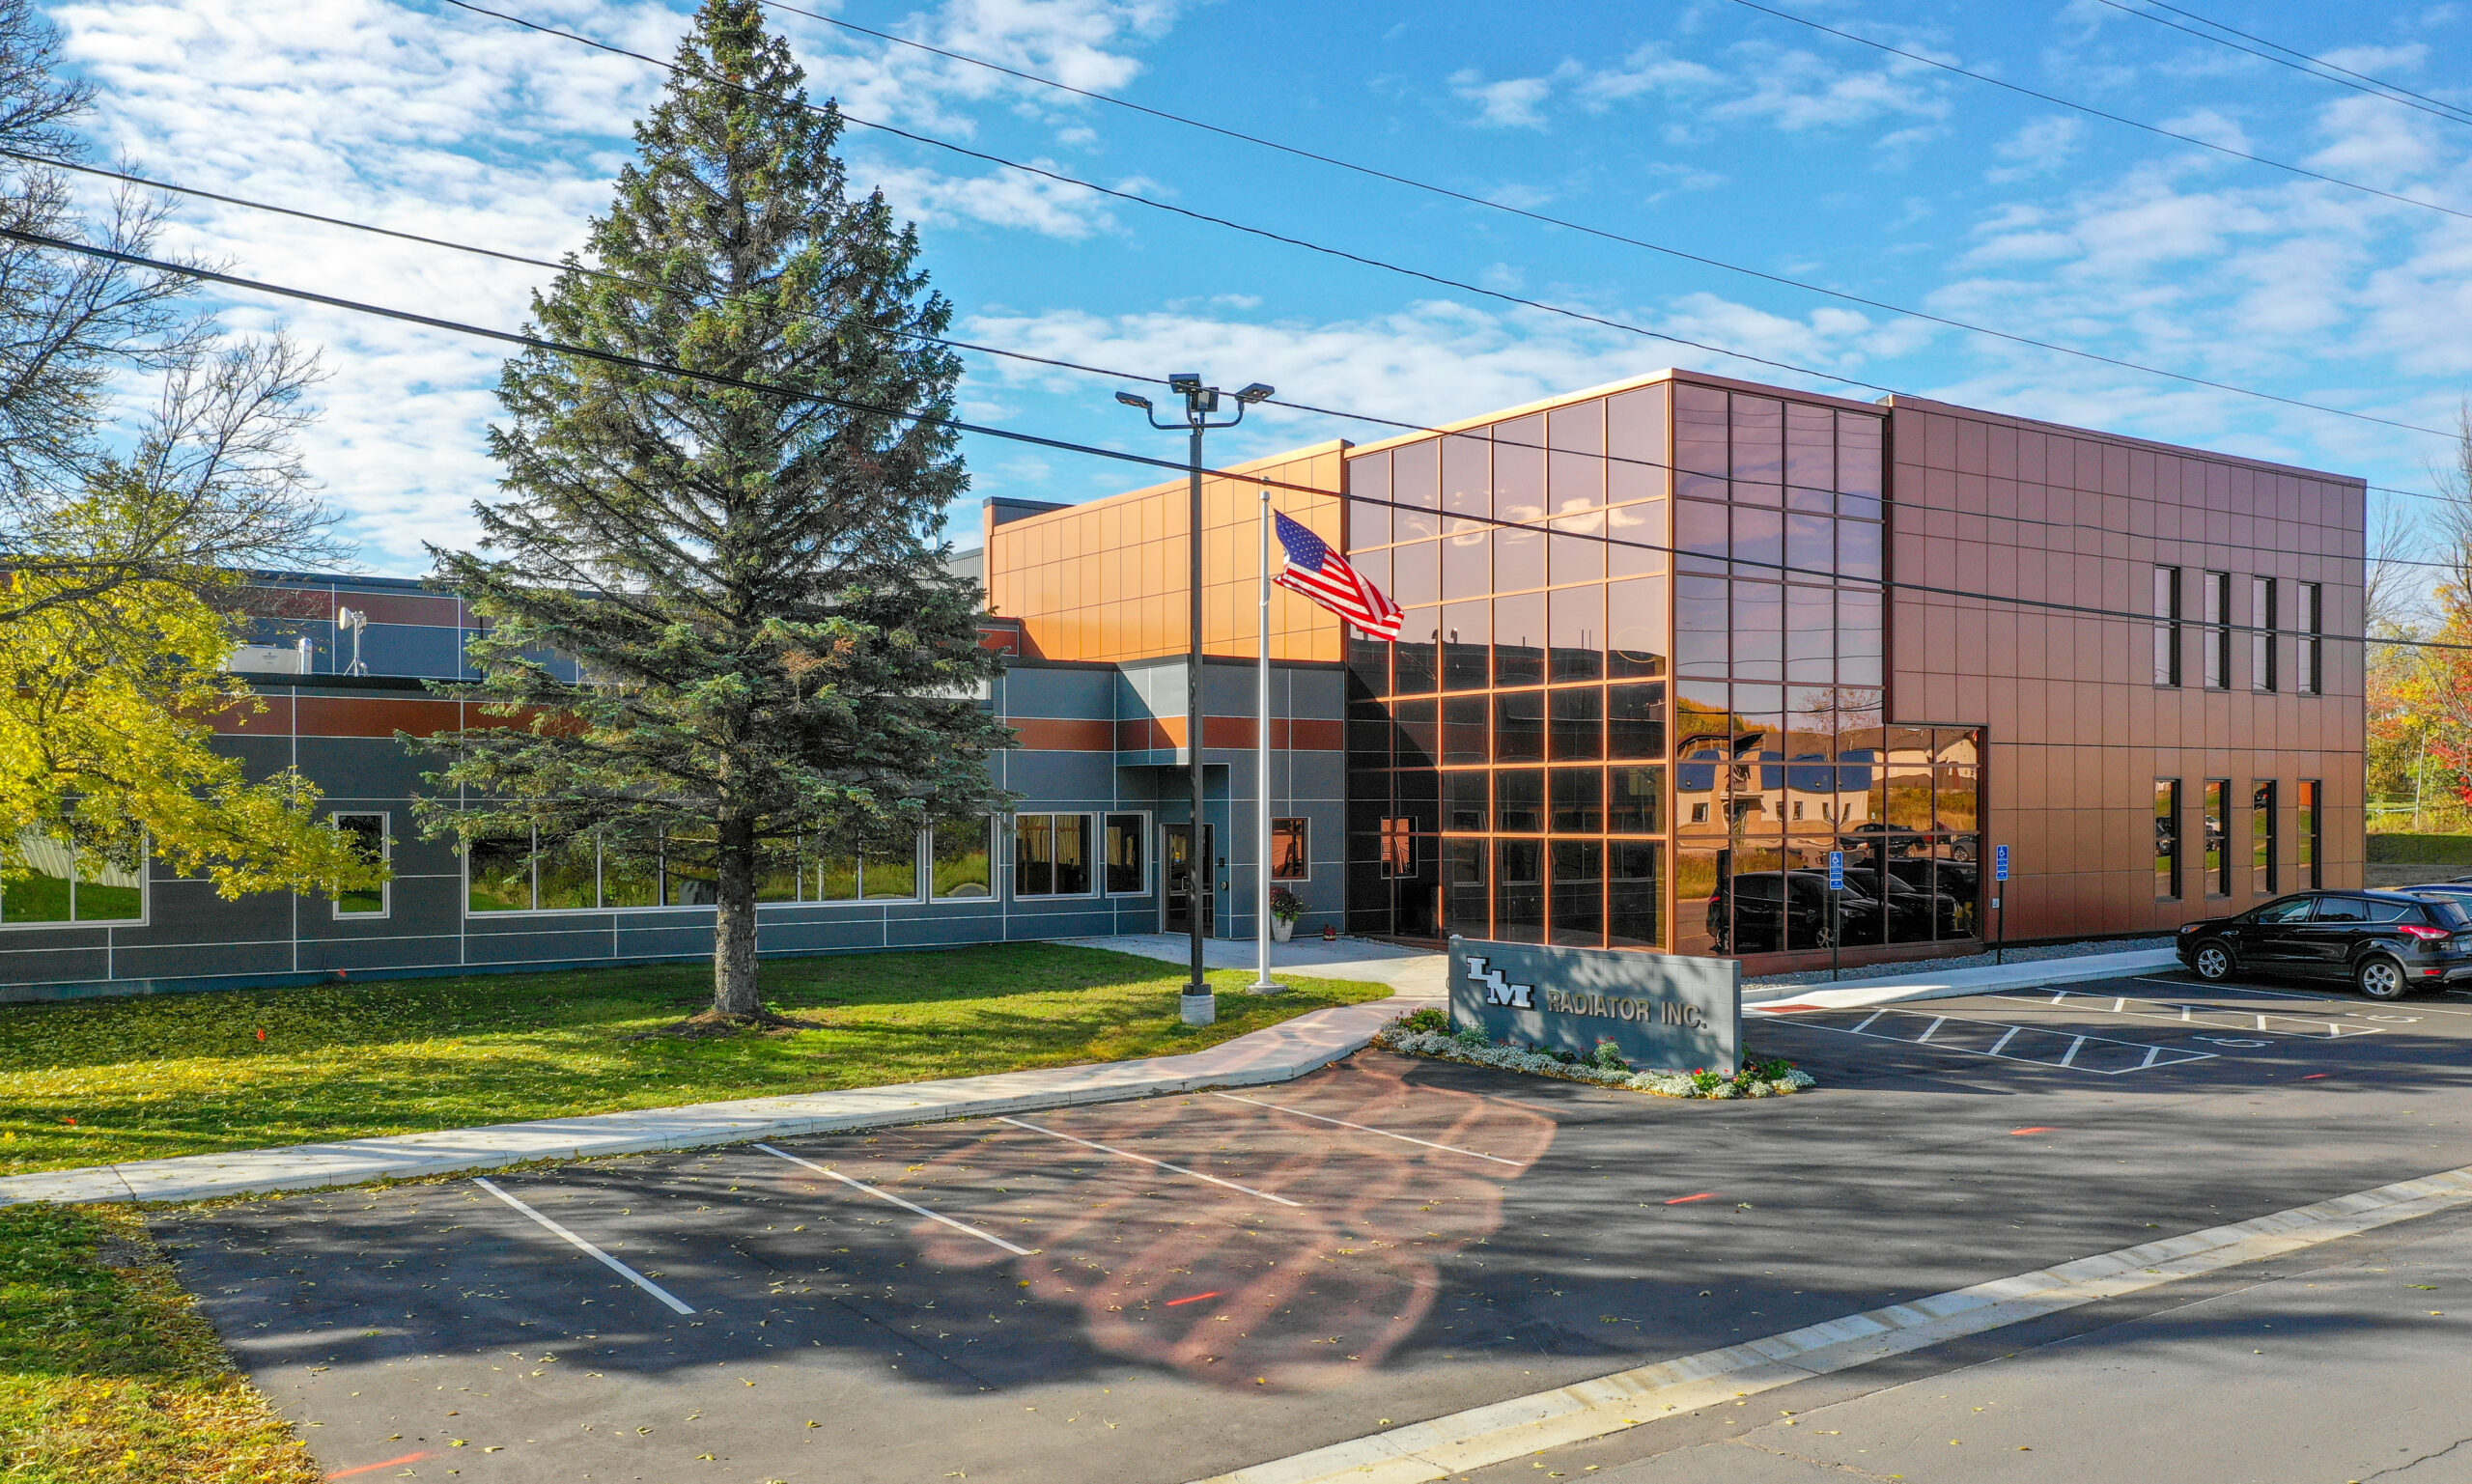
1266	987
1200	1009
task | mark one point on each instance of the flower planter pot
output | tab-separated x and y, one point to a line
1280	928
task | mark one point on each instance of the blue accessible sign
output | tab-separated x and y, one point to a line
1837	870
2000	866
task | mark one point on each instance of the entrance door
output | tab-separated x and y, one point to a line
1179	857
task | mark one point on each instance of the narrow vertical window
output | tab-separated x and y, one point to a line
2167	839
2218	630
1127	874
2262	836
2310	647
1291	859
2167	626
2218	857
368	835
2308	838
2262	634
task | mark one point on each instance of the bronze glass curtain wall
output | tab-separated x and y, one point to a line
1592	744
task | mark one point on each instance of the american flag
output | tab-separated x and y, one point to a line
1325	577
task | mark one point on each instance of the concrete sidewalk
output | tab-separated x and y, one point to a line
1948	984
1276	1053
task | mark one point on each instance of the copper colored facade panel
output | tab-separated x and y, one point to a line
2081	726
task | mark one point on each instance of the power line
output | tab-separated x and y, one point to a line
1066	445
2308	67
1563	222
1384	266
475	250
2304	56
2095	112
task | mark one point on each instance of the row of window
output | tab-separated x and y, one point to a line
1066	854
2217	851
2265	621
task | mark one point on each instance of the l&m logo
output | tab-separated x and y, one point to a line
1518	996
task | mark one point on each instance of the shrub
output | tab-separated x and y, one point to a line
1286	906
1609	1056
1425	1018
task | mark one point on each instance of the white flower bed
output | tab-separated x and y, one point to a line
1662	1085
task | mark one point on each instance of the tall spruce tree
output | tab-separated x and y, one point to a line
775	663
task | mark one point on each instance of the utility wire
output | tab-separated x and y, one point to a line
1384	266
2309	66
1066	445
452	246
1131	198
2095	112
2391	87
1563	222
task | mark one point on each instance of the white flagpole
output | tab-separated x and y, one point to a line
1262	982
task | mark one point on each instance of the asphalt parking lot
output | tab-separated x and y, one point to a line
1162	1290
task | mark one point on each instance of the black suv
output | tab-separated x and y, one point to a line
2388	943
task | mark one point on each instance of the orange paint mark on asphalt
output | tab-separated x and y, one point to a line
1682	1200
1196	1298
2037	1129
408	1458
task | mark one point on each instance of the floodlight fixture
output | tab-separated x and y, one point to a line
1134	400
1259	391
1185	382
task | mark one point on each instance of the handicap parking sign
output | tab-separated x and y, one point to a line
2000	866
1837	870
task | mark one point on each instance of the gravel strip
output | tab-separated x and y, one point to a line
1969	961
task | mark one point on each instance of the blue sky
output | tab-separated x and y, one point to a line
1703	125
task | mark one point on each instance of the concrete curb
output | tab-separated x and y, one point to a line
1276	1053
1773	999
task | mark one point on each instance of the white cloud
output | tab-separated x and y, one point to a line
2043	145
455	126
1514	102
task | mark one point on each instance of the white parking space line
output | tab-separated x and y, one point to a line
2042	1046
2185	985
615	1266
888	1195
1384	1133
2210	1017
1127	1154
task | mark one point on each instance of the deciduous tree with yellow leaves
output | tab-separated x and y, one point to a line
123	548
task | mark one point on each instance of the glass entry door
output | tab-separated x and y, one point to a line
1179	897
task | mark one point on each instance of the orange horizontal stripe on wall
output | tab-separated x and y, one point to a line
246	720
1150	734
1041	733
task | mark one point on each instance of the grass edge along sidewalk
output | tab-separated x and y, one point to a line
1276	1053
109	1374
121	1081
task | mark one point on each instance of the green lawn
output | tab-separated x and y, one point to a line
107	1373
106	1080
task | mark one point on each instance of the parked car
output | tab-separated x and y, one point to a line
1766	912
1915	915
2388	943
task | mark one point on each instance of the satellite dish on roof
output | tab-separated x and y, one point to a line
353	621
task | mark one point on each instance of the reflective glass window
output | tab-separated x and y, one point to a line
1577	723
1519	891
1635	801
1464	729
1578	633
1519	727
1578	894
1519	801
1577	800
1519	640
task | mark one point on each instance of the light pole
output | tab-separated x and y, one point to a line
1200	402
